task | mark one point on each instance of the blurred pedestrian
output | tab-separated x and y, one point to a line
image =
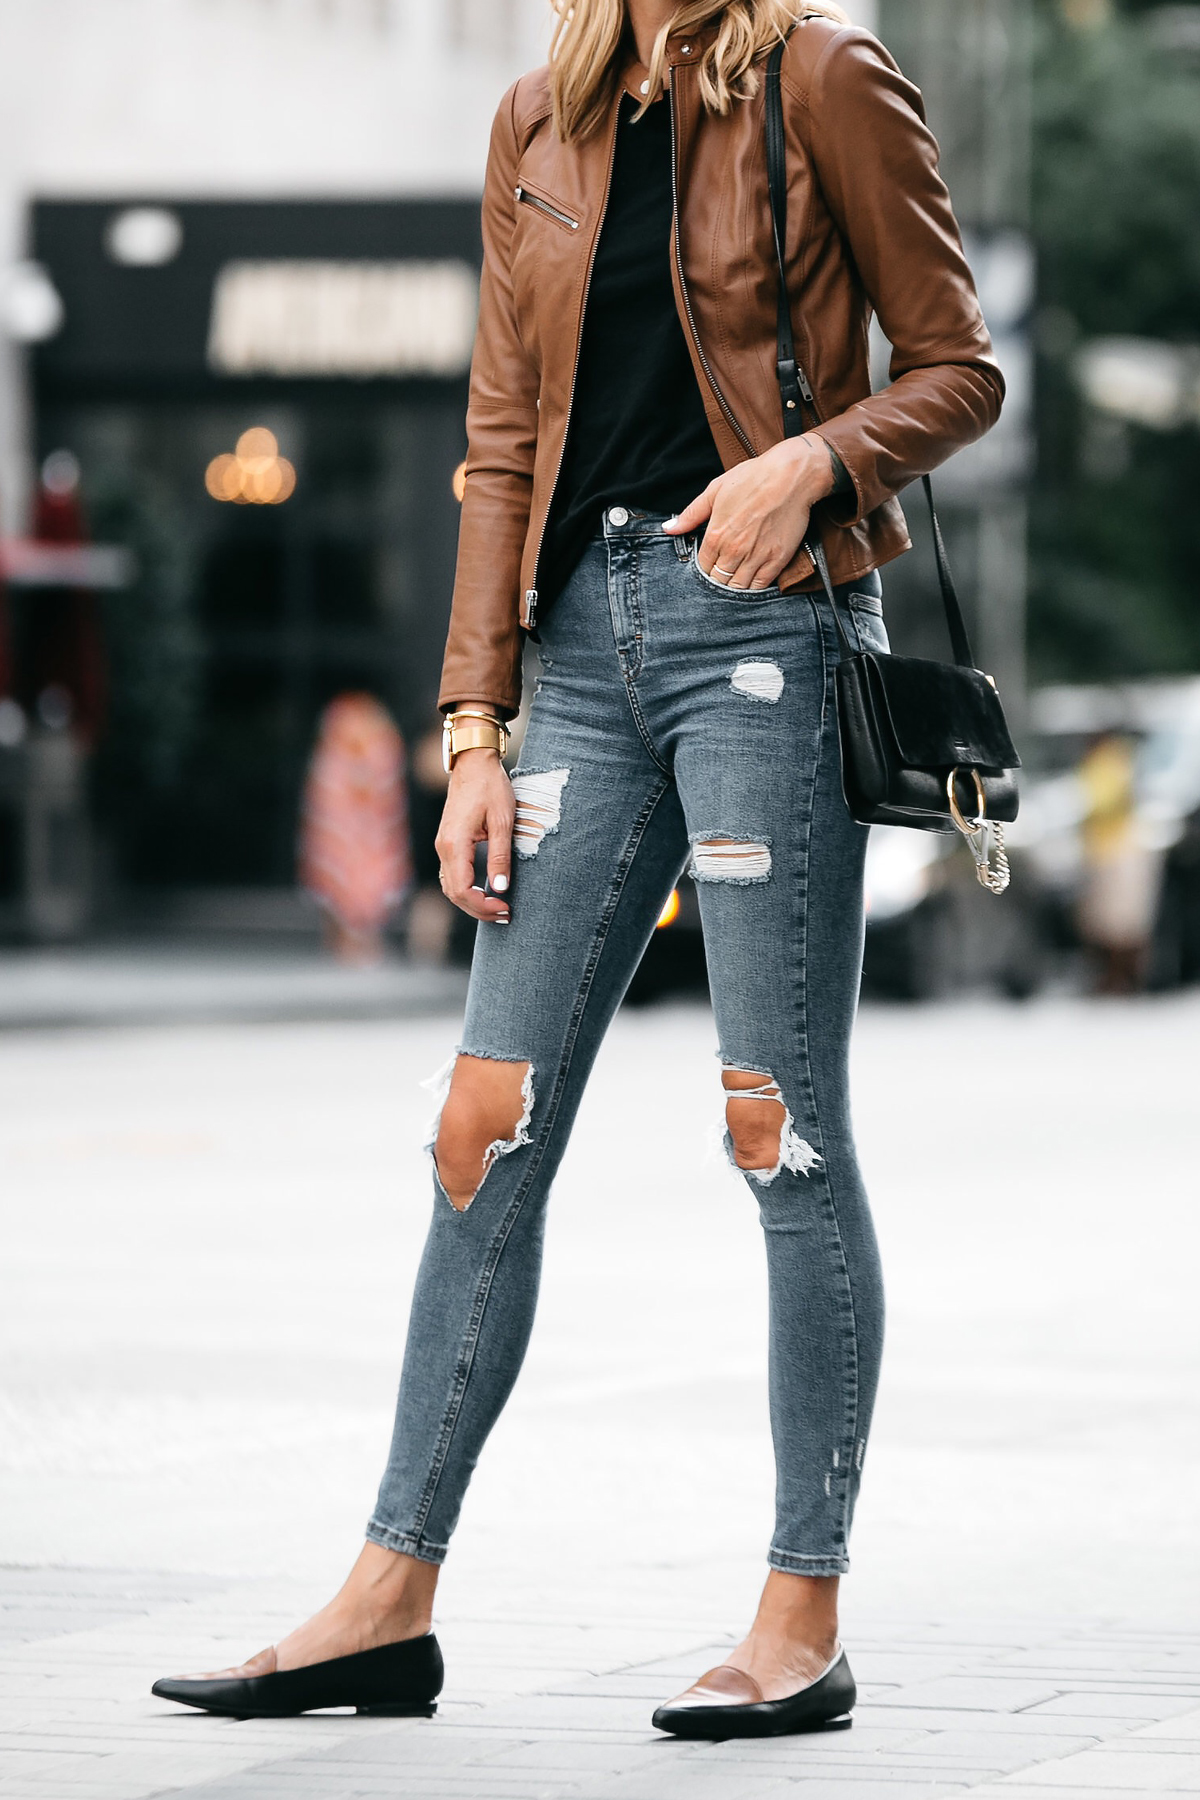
60	675
355	856
1120	871
632	495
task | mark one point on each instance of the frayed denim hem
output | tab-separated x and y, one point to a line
789	1564
405	1543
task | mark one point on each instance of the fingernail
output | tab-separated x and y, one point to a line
668	523
500	884
506	920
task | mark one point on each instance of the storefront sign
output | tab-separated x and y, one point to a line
355	319
288	291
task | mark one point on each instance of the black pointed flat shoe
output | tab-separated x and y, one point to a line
401	1680
726	1703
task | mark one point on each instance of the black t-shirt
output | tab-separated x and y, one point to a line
638	434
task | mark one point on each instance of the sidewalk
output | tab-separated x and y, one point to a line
210	1238
183	984
538	1709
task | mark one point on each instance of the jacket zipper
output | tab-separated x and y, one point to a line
687	303
531	594
523	194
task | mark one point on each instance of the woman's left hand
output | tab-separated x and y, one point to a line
758	512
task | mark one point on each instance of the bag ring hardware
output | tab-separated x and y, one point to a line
981	834
967	826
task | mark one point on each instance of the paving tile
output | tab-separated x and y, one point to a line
831	1746
1182	1726
434	1746
568	1756
1034	1790
686	1783
620	1685
1103	1660
559	1712
687	1663
1106	1768
1113	1706
902	1667
866	1768
990	1750
974	1693
696	1788
1035	1722
256	1784
1144	1683
15	1756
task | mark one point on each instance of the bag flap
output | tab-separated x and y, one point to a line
942	714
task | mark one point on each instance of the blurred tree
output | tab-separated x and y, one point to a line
155	657
1115	543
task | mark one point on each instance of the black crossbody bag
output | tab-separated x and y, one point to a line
923	743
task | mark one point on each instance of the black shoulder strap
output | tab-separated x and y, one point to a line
793	383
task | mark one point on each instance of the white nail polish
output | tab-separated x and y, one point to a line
673	520
500	884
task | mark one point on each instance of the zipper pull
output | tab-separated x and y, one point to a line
529	609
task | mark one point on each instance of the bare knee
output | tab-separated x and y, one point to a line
762	1133
756	1122
485	1115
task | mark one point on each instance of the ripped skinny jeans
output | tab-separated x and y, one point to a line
675	724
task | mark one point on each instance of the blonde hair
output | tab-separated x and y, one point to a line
590	35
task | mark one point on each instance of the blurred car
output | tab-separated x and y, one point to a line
674	960
933	930
1164	717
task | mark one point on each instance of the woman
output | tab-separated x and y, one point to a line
631	498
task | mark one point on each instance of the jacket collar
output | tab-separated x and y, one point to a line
683	48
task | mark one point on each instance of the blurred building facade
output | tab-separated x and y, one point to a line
220	217
255	98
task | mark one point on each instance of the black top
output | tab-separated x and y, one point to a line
638	434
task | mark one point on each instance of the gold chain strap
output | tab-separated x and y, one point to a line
983	835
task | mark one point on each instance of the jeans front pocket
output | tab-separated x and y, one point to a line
774	592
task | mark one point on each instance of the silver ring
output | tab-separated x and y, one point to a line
727	573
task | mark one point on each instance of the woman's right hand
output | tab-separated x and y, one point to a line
479	804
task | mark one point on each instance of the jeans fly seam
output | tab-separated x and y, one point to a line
634	664
475	1322
630	662
642	728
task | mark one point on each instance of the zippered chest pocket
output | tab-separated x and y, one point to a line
547	208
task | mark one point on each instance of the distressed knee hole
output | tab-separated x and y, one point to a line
485	1116
760	680
738	860
538	796
762	1135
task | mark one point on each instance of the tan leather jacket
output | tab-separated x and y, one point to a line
869	226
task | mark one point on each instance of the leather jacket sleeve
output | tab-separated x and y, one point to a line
483	650
877	165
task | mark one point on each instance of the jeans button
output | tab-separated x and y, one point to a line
618	515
